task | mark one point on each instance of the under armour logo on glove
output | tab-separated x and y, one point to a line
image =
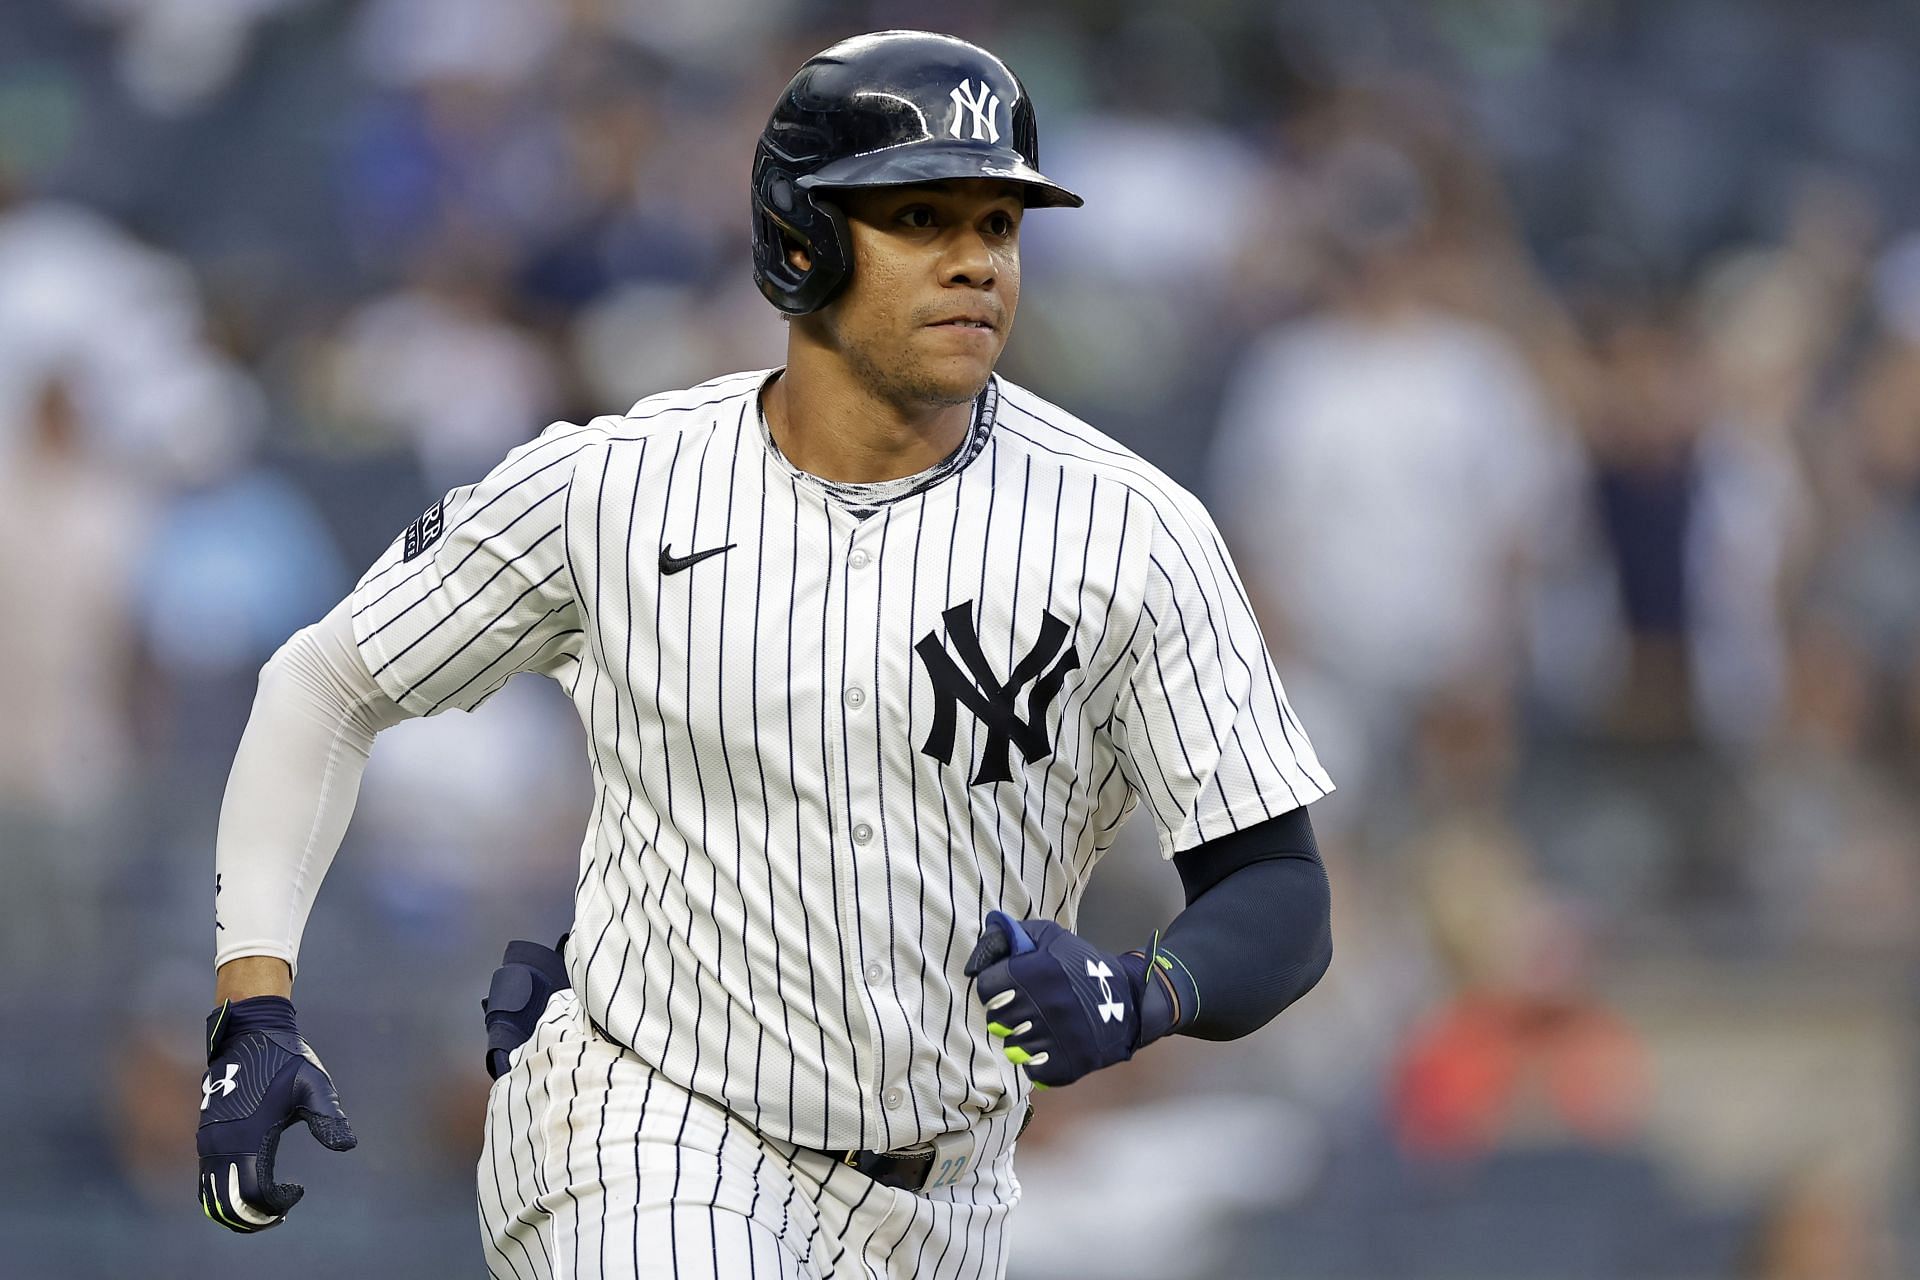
1053	997
226	1084
261	1077
1111	1010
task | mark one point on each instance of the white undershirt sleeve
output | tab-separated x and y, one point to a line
293	787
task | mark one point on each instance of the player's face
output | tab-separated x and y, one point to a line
936	278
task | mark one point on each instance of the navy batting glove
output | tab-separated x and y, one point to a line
1063	1006
517	997
261	1077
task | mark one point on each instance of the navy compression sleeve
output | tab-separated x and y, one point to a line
1256	934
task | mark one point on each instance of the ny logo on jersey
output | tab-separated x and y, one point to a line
993	700
982	106
225	1085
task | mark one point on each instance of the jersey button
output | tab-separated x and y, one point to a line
876	972
862	833
856	697
893	1098
858	560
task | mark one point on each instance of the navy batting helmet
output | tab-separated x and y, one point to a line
892	108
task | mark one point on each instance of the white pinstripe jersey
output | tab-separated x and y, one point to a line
822	755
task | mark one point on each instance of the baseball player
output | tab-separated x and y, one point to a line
875	653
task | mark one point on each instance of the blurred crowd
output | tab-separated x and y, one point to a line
1552	366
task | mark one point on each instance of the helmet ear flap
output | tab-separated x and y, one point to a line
832	253
787	216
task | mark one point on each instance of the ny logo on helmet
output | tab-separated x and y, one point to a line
982	105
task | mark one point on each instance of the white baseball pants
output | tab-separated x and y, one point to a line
596	1167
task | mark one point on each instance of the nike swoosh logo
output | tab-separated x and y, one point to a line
671	563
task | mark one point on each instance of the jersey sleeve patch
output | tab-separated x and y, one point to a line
425	531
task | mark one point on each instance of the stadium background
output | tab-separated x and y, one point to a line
1553	367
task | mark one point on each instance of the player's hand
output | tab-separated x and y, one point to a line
261	1077
1063	1006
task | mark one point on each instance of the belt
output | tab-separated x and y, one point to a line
911	1169
906	1170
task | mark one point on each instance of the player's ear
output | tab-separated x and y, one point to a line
797	256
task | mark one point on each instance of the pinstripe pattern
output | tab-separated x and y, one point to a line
620	1172
781	879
